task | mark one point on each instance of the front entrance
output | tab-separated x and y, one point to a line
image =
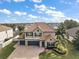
43	44
34	43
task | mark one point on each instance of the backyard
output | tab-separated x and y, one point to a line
72	54
6	51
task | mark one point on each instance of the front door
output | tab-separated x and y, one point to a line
43	44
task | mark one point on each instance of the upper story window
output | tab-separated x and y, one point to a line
29	34
38	32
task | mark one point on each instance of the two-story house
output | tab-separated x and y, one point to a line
38	34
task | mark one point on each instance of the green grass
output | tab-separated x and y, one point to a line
72	54
6	51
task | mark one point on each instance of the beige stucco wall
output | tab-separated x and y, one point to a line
5	34
10	33
2	36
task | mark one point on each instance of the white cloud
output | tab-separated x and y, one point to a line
18	0
51	12
20	13
52	8
37	1
5	11
40	7
32	16
55	13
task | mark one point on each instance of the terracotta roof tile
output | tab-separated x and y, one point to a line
47	37
43	26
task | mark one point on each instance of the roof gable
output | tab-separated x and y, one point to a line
42	26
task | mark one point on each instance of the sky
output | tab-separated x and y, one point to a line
28	11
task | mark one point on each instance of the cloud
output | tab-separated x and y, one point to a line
37	1
52	8
20	13
40	7
50	12
5	11
18	0
55	13
32	16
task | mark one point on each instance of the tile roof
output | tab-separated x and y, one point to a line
43	26
47	37
3	28
72	31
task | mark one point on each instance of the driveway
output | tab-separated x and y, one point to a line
24	52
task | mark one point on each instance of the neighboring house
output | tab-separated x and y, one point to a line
38	34
5	34
72	33
16	31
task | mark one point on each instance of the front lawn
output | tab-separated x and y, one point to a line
72	54
6	51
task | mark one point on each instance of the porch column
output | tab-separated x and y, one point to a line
45	44
26	42
40	43
25	35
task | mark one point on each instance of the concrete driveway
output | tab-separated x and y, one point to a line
23	52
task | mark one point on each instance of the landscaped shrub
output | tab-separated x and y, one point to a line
59	48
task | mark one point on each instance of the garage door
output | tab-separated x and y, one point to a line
22	42
34	43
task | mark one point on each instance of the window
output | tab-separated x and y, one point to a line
49	44
29	34
37	30
50	39
38	34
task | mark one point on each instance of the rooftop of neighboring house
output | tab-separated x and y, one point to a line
41	25
3	28
72	31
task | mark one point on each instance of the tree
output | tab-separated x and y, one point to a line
21	29
76	41
70	24
61	33
62	37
